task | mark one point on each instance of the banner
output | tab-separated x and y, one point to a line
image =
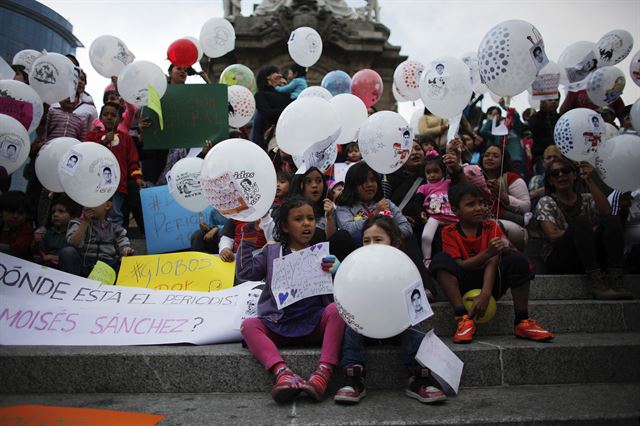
167	225
43	306
191	113
191	270
43	415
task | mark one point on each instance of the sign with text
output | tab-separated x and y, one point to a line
20	110
43	415
167	225
191	271
191	113
443	363
43	306
299	275
545	87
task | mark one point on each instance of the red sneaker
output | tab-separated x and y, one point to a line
317	384
287	386
465	330
423	387
529	329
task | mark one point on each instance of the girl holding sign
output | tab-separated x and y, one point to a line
309	321
381	229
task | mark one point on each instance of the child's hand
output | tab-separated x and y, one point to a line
226	255
108	138
424	217
210	234
38	235
204	227
330	264
496	246
479	307
207	146
141	183
586	171
381	206
127	251
88	214
328	206
144	122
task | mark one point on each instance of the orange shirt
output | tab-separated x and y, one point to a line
460	246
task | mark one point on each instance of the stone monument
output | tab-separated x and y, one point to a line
352	40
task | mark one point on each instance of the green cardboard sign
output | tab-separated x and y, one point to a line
192	113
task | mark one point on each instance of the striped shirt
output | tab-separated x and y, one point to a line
61	123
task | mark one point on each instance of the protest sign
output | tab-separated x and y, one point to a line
545	87
155	104
43	306
20	110
191	113
340	171
443	363
50	415
103	273
299	275
167	225
193	271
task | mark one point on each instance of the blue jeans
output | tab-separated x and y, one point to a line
74	262
353	346
116	215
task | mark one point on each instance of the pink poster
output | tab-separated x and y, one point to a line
20	110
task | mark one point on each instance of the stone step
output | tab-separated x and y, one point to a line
489	361
580	404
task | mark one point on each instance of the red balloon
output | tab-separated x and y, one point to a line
367	85
182	53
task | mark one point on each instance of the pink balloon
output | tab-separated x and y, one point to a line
367	85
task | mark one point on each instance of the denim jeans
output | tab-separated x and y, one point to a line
116	215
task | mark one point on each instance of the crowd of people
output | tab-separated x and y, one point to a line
465	211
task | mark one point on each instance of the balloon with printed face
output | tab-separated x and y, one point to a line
510	56
240	75
182	53
578	133
21	102
617	162
135	78
14	143
634	68
367	85
238	179
406	79
614	47
183	181
470	59
371	280
89	174
242	105
315	92
337	82
305	46
445	87
577	60
605	85
217	37
53	77
351	113
109	55
48	159
385	140
26	58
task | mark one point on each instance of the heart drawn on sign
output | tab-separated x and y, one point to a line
294	292
317	246
282	297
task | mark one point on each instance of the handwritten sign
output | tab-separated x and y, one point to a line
43	306
443	363
49	415
167	225
191	113
299	275
103	273
20	110
192	271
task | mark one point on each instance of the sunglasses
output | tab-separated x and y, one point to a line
557	172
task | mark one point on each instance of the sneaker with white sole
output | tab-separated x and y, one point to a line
354	390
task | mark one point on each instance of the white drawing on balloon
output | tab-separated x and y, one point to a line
436	88
250	190
70	162
221	36
222	193
122	55
347	317
10	147
582	68
142	97
608	45
536	51
322	154
313	43
46	73
188	184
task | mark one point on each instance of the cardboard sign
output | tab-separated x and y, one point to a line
44	415
167	225
192	271
299	275
103	273
545	87
191	113
443	363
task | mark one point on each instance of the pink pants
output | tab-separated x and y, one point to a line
263	343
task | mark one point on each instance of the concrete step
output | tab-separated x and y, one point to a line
584	405
489	361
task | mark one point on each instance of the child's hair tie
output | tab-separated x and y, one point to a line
386	212
431	153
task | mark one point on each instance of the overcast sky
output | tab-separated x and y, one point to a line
425	29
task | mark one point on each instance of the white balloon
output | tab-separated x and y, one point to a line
614	47
14	143
510	56
134	79
415	120
372	281
610	131
109	55
321	156
198	45
385	141
635	115
578	133
22	92
406	79
534	103
305	46
243	104
92	177
217	37
634	68
316	92
470	59
605	85
399	97
48	159
26	58
618	160
578	60
351	113
239	180
445	86
53	77
305	122
184	184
